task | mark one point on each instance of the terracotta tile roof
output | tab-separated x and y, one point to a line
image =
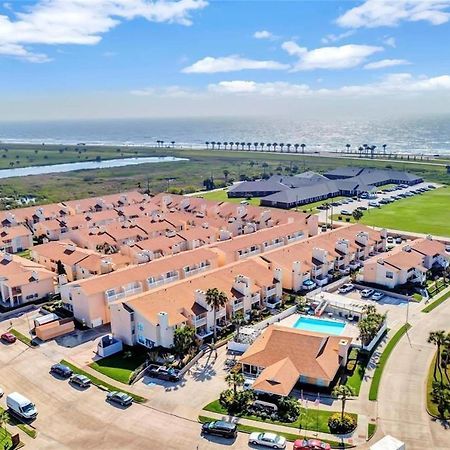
65	251
14	232
313	355
278	378
428	247
18	271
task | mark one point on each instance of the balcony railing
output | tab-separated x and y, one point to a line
200	321
192	272
155	283
238	305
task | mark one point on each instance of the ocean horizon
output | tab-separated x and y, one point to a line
427	134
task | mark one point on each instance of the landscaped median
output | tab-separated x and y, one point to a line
373	393
102	384
309	419
5	439
436	303
22	338
15	422
289	436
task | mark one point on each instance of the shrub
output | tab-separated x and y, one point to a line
341	425
288	409
235	403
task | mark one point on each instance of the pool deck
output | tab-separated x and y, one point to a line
350	329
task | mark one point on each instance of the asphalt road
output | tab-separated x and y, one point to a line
70	418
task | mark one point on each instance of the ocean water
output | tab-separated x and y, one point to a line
428	135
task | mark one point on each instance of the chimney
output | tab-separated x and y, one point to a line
7	256
406	248
163	320
70	247
278	274
343	350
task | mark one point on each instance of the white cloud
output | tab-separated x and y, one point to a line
377	13
395	83
330	38
343	57
167	92
390	42
384	63
82	22
263	34
231	63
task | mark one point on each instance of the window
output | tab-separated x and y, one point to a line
110	292
140	327
389	275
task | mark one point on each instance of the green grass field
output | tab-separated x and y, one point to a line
431	405
426	213
119	366
221	196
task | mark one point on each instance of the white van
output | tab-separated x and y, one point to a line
21	406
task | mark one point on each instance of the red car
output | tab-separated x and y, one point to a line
8	337
310	444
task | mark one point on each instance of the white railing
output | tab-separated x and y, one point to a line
134	291
200	321
172	278
114	297
238	305
155	283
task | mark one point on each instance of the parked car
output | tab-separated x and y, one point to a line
374	204
163	373
390	240
81	380
367	292
267	439
362	208
345	212
430	186
21	406
220	428
377	296
347	287
119	397
398	240
310	444
61	370
8	338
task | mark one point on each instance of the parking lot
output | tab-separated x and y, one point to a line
346	206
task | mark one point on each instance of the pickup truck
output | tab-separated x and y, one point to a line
163	373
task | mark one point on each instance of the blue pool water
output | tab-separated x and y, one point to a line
320	325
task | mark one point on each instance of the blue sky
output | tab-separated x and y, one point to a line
64	58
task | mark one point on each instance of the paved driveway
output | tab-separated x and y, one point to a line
70	418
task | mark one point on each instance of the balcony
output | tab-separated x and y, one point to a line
200	321
238	305
274	245
271	292
203	333
321	281
354	265
344	270
295	238
134	291
114	297
172	278
192	272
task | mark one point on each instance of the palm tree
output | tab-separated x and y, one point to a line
281	147
235	380
213	144
288	147
249	144
372	150
343	393
207	145
348	147
225	174
269	146
237	145
237	320
296	146
274	145
173	143
231	145
215	299
437	338
360	150
384	149
183	340
303	147
441	396
219	144
265	166
261	144
255	144
225	144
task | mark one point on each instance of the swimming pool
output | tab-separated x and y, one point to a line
333	327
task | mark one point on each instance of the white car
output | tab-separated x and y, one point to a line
374	204
267	439
347	287
367	292
377	296
345	212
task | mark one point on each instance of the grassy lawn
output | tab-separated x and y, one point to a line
311	419
101	383
431	406
426	213
25	254
183	175
436	303
22	338
5	439
355	380
119	366
371	430
289	436
221	196
374	386
14	422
